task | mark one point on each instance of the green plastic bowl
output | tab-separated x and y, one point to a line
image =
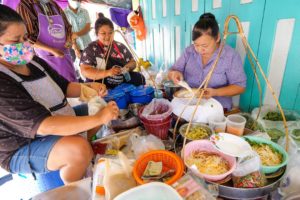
276	147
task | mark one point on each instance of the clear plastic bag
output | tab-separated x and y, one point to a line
291	181
95	104
118	176
144	144
158	109
270	117
248	172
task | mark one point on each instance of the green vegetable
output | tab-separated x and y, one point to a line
252	124
196	133
276	116
275	134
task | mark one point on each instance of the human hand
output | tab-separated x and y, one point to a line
176	76
99	87
78	53
209	92
74	36
57	53
115	70
110	112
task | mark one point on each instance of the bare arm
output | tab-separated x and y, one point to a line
131	65
71	125
230	90
92	73
84	31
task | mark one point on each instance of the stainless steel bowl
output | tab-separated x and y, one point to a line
182	130
170	89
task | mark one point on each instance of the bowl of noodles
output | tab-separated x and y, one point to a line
272	156
205	161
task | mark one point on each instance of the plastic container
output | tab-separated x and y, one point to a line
149	121
150	191
276	147
142	94
217	125
207	146
170	89
158	129
126	88
235	124
98	188
169	159
158	94
118	96
49	181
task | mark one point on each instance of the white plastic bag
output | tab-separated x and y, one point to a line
95	104
118	176
157	109
291	181
144	144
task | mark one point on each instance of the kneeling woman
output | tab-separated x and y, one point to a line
93	65
38	128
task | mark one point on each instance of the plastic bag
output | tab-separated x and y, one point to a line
95	104
157	109
292	145
248	172
190	187
118	176
144	144
270	117
291	181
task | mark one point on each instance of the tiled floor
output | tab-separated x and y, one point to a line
18	188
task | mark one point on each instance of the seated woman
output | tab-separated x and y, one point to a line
228	78
92	63
39	129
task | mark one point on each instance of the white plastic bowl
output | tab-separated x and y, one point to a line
150	191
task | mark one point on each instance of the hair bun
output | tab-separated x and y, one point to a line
100	15
207	16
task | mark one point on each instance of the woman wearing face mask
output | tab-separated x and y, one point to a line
228	78
50	32
79	18
119	60
38	131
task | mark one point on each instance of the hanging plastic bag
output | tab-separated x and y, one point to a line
118	176
248	172
291	181
136	21
144	144
158	109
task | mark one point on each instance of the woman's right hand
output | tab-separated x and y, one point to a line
175	76
57	53
110	112
115	70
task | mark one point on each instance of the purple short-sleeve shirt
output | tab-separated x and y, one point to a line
229	70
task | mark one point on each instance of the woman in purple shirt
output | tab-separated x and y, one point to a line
194	64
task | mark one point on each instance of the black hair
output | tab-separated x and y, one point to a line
7	16
207	24
101	21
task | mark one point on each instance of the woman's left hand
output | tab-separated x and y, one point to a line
100	88
209	92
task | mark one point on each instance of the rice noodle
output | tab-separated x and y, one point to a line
208	163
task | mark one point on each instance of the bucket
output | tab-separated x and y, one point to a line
118	96
49	181
158	129
142	94
126	88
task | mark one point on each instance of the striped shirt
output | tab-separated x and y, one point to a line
30	16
